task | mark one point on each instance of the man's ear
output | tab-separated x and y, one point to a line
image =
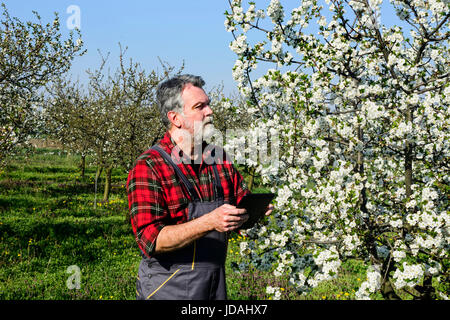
174	119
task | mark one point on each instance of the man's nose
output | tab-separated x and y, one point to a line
208	111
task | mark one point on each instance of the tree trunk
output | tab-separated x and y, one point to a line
108	171
408	170
83	165
408	160
360	170
370	236
388	291
426	290
251	178
386	287
97	175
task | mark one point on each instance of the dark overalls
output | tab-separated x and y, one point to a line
195	272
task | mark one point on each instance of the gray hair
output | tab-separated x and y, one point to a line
169	94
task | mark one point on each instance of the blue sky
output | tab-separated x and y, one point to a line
173	30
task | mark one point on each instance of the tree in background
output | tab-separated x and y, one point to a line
32	54
138	116
68	119
362	113
115	119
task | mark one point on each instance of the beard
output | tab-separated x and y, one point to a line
201	130
208	130
193	136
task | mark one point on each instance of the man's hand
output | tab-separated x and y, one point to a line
269	209
227	218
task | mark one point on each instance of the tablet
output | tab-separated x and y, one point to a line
256	206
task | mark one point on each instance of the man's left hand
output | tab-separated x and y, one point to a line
270	208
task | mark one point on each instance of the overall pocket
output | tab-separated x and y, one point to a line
160	283
165	285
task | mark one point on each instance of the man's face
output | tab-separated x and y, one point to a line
197	113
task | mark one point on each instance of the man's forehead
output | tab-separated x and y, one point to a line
191	93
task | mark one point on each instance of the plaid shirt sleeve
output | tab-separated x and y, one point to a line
146	205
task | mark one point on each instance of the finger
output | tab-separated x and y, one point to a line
229	226
270	208
235	218
243	220
227	207
244	217
234	226
238	211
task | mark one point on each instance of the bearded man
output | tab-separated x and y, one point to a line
182	206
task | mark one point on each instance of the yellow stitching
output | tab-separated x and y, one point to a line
193	258
162	284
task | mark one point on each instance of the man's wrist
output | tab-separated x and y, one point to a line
207	222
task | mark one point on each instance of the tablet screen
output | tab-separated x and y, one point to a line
256	205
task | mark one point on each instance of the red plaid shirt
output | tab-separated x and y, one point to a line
157	197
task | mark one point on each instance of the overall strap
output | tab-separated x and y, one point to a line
217	185
190	188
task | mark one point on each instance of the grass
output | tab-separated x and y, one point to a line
48	223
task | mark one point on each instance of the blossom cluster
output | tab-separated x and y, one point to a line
410	275
371	285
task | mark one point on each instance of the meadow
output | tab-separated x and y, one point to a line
48	223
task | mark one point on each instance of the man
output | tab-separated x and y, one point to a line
181	206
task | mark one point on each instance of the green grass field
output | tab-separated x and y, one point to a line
48	223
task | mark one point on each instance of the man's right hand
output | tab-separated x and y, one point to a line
227	218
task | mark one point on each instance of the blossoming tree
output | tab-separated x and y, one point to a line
31	55
361	109
68	118
115	119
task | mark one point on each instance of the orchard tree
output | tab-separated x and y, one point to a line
68	119
115	119
31	55
361	109
137	117
127	115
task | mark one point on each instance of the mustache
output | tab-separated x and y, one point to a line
208	120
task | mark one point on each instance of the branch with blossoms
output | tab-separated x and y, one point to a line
363	134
